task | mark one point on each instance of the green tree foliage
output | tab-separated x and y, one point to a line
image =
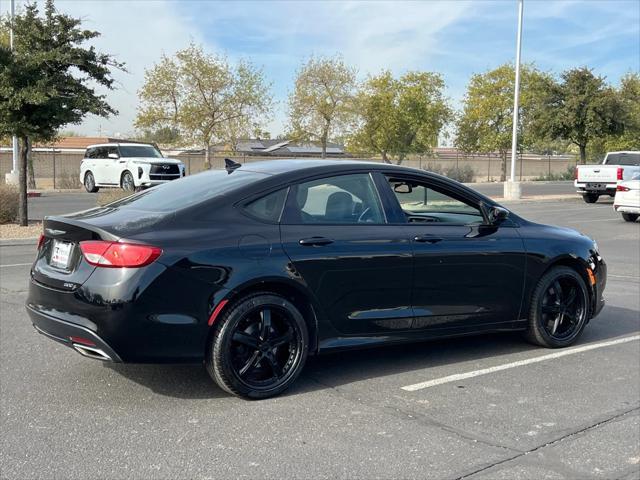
48	81
486	122
400	116
205	98
629	98
321	104
161	136
581	108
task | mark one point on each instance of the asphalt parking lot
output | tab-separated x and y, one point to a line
487	407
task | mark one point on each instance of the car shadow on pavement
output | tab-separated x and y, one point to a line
334	370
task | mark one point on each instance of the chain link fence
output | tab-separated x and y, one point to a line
54	169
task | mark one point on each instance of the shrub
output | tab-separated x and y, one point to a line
464	174
111	195
8	203
553	177
68	181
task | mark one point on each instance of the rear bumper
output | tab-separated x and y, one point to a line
604	188
67	333
626	209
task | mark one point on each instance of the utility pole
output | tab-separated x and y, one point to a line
12	177
512	189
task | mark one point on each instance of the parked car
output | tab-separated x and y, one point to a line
627	199
591	181
252	268
129	166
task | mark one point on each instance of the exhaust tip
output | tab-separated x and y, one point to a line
92	352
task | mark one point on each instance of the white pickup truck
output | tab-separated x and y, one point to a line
591	181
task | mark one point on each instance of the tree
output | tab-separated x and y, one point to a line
486	122
48	81
400	116
582	108
203	97
321	104
629	97
162	136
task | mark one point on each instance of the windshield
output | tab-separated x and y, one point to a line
623	158
188	191
148	151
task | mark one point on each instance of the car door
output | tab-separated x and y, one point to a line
466	272
100	165
113	167
359	268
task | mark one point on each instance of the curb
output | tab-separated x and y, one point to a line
14	242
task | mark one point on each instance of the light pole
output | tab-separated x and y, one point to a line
512	189
12	177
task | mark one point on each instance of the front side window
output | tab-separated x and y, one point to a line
344	199
421	203
112	150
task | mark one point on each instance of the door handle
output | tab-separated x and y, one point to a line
315	241
426	239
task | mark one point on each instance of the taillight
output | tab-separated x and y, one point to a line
575	173
622	188
41	241
620	172
118	255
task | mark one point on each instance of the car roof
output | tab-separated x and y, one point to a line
280	166
123	144
625	151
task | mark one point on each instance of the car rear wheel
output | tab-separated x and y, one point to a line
90	183
630	217
590	197
127	182
259	346
559	309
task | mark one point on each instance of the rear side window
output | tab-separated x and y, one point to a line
269	207
189	191
90	153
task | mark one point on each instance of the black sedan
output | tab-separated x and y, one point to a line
252	268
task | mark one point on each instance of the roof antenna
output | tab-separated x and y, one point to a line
230	165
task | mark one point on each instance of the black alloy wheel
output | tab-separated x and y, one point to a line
559	309
259	346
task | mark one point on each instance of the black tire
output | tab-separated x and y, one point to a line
547	324
590	197
126	182
630	217
243	356
90	183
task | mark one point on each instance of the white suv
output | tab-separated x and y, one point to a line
127	165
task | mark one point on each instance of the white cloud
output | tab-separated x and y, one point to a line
136	33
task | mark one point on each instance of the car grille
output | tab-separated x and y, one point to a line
164	172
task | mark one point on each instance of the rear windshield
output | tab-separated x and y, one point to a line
623	158
187	191
148	151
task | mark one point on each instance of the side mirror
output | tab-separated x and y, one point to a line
115	156
497	215
402	188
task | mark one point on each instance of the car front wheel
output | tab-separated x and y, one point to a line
630	217
259	346
127	182
559	308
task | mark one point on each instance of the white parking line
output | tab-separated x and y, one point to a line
520	363
15	265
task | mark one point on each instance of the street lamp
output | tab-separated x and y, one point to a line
512	189
12	177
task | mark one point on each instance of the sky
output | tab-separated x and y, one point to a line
454	38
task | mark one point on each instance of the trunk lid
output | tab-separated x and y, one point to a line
598	173
60	263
